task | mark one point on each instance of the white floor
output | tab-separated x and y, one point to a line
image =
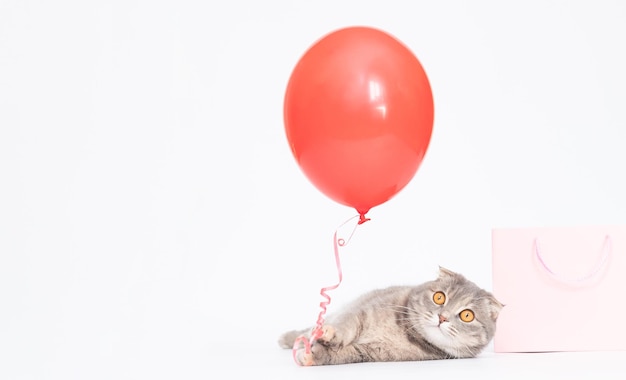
278	364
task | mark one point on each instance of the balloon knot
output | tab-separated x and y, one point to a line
363	219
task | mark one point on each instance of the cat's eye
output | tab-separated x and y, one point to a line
439	298
467	315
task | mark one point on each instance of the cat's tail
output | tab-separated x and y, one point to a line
289	338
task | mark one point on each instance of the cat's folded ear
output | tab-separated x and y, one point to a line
494	306
444	272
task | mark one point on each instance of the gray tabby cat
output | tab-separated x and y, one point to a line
450	317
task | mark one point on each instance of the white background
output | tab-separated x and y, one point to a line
153	223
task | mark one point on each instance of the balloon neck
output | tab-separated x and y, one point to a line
362	218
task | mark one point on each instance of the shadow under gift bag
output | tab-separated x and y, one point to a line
564	288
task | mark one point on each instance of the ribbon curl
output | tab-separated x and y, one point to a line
319	324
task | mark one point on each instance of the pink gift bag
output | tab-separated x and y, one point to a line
564	288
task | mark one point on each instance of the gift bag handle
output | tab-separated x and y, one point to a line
606	252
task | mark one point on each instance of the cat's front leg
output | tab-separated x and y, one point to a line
330	348
321	354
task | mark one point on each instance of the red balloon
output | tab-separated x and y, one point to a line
358	114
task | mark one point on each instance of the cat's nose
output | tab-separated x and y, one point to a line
442	319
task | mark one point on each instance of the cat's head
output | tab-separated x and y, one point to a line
454	314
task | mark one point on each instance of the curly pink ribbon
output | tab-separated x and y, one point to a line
317	331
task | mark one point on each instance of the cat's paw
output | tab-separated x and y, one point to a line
328	333
303	358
